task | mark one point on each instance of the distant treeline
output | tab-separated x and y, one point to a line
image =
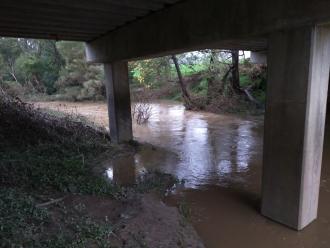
57	70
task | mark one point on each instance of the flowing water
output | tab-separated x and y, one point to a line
219	161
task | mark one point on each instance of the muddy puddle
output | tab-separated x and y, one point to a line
218	159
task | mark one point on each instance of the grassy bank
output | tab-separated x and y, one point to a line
43	157
50	187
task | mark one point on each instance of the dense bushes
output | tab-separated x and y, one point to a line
151	73
58	69
78	80
35	64
13	88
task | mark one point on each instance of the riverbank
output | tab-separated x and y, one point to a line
55	191
213	102
218	161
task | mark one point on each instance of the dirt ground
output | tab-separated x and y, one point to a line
140	221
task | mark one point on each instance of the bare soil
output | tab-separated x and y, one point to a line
140	221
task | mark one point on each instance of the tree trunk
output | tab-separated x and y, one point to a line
251	98
213	60
211	79
185	94
235	81
210	88
12	72
58	57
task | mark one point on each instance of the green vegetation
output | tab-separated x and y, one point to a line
40	151
54	167
50	70
201	88
47	161
44	68
24	224
208	76
189	70
78	80
42	156
150	73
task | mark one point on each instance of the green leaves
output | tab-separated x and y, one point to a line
20	220
23	224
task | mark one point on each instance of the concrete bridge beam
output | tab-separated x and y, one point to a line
119	103
298	77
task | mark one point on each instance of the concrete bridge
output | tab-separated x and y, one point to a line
295	34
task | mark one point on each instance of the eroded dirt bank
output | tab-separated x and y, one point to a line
141	220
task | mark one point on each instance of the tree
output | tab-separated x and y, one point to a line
52	62
39	64
79	80
235	80
151	73
30	69
10	50
185	94
212	72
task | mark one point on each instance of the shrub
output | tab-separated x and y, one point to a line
13	88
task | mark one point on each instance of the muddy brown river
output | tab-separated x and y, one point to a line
218	159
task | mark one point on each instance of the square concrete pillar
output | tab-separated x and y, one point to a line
298	77
119	103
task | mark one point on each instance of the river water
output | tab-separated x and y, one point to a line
218	159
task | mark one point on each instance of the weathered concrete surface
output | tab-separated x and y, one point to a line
119	104
195	24
81	20
298	77
259	57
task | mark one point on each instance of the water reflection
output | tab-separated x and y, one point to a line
211	148
220	156
122	170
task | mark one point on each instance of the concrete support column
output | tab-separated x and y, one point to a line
259	58
298	77
119	103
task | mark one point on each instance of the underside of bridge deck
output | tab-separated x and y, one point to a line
295	34
80	20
